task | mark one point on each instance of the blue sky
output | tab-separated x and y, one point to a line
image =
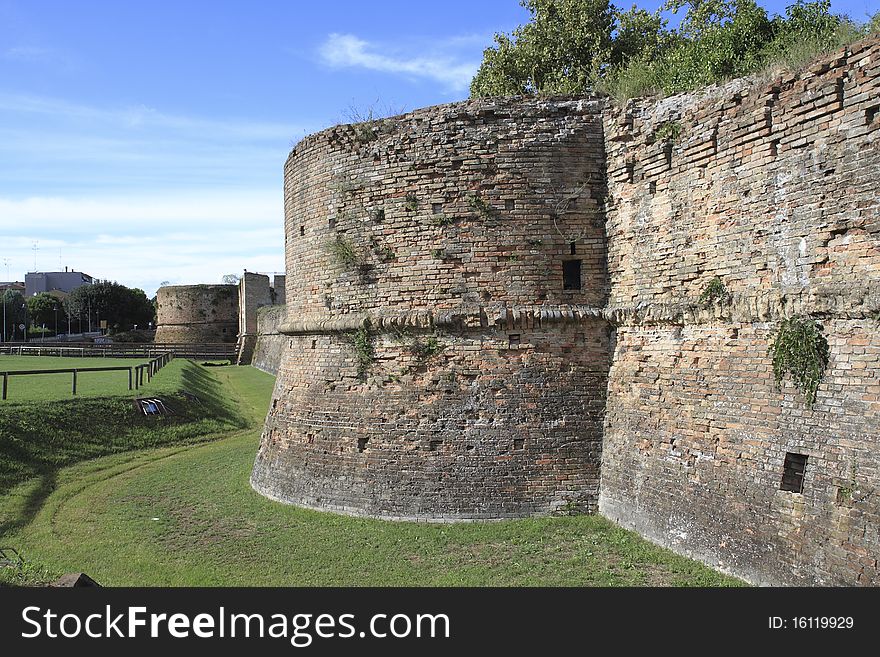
144	141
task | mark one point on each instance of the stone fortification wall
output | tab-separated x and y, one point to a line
447	357
469	284
772	188
270	341
197	313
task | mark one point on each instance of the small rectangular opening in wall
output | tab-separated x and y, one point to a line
571	275
302	230
793	472
652	188
434	445
436	208
774	148
331	222
314	343
513	340
572	248
362	443
519	443
630	171
508	204
871	114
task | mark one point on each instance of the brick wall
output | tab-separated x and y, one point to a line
197	313
451	227
445	229
270	342
772	187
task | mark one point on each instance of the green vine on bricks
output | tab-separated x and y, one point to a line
800	350
439	254
362	342
667	132
479	205
411	202
713	292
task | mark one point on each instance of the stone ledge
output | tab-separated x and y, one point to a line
462	317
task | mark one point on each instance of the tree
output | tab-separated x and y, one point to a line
578	46
562	50
230	279
47	310
122	307
14	307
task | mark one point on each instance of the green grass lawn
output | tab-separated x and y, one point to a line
58	386
186	515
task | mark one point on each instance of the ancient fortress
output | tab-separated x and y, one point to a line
499	308
225	314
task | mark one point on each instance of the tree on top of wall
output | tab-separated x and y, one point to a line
582	46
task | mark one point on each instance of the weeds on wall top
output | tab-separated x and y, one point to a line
800	350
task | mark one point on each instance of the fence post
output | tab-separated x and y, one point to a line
74	382
129	378
5	380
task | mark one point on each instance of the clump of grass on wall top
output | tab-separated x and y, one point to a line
800	350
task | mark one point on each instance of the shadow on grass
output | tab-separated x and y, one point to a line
32	503
38	439
198	381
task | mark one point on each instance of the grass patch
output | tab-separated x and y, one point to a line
186	515
46	387
37	439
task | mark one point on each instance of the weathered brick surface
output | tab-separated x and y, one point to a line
773	188
197	313
270	342
455	221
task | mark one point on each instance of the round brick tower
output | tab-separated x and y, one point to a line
446	355
197	313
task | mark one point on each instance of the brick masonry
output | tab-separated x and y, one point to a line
197	313
270	342
436	367
441	235
773	187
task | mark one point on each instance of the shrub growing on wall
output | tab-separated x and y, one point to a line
800	350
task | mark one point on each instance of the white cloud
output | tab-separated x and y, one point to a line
142	240
349	51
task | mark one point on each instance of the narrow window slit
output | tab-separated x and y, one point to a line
793	472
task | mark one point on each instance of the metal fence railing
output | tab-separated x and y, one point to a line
136	373
208	351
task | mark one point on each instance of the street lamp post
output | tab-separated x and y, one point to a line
55	308
24	308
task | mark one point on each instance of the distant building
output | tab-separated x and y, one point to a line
55	281
15	286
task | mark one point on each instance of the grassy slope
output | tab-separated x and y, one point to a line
38	438
187	516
